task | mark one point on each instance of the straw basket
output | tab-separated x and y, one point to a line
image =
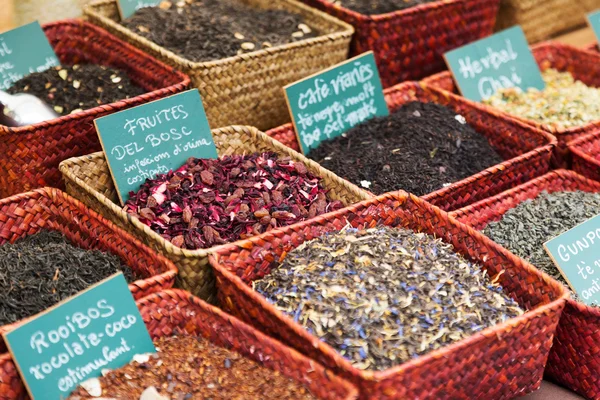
31	154
527	150
482	366
585	153
88	179
26	11
246	89
575	357
11	386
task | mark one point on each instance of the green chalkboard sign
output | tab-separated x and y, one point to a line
329	103
594	22
23	51
576	253
153	138
502	60
100	328
128	7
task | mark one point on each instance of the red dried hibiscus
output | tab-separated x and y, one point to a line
210	202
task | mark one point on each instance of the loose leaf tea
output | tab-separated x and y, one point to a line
420	148
373	7
208	30
564	103
524	229
188	367
71	89
208	202
43	269
383	296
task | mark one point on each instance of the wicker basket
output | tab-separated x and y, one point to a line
409	44
11	386
575	357
527	150
585	154
482	366
31	154
247	89
88	179
583	65
44	11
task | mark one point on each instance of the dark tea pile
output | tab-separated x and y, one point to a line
206	30
77	88
374	7
43	269
209	202
187	367
419	148
384	296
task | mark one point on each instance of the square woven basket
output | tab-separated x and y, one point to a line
527	150
583	65
172	312
575	357
409	44
585	155
246	89
88	179
31	154
482	366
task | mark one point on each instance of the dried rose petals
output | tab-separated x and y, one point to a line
210	202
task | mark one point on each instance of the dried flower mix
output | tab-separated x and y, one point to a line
383	296
72	89
420	148
374	7
188	367
564	103
43	269
210	202
227	28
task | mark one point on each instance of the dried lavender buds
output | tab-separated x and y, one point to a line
383	296
210	202
564	103
188	367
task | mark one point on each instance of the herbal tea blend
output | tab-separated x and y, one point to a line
524	229
564	103
72	89
373	7
420	148
383	296
43	269
226	28
188	367
209	202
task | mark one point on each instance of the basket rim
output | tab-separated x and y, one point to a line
345	32
389	373
65	168
56	196
115	106
575	147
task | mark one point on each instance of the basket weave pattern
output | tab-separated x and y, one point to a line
11	386
585	155
527	150
481	366
88	179
31	154
246	89
575	357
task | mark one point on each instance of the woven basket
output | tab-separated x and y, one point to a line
31	154
246	89
583	65
527	150
585	154
44	11
482	366
11	386
88	179
575	357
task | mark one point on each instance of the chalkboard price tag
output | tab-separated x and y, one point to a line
153	138
23	51
576	254
327	104
100	328
128	7
502	60
593	20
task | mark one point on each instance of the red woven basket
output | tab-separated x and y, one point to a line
31	154
527	150
575	357
481	366
11	386
583	65
585	155
409	44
